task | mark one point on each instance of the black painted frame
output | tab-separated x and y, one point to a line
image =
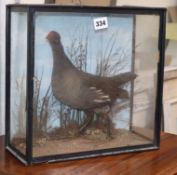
31	9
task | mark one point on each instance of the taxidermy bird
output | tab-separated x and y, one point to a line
84	91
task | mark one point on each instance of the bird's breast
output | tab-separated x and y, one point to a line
66	88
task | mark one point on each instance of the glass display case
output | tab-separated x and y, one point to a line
83	81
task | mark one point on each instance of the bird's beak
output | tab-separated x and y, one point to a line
47	37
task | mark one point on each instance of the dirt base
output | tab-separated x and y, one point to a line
91	140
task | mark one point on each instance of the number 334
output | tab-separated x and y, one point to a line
100	23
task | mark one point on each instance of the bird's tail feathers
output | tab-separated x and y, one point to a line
123	94
124	77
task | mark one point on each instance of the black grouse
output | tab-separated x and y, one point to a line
81	90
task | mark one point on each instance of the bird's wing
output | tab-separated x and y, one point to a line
94	97
103	90
99	96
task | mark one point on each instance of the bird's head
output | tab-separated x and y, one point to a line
53	37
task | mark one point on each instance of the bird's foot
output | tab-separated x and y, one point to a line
84	126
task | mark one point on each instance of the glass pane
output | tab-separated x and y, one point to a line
18	80
146	62
87	82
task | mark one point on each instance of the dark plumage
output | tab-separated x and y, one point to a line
81	90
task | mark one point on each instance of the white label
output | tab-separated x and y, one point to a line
100	23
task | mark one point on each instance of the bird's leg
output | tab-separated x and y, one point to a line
108	127
109	124
88	121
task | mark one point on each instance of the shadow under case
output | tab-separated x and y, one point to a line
83	81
